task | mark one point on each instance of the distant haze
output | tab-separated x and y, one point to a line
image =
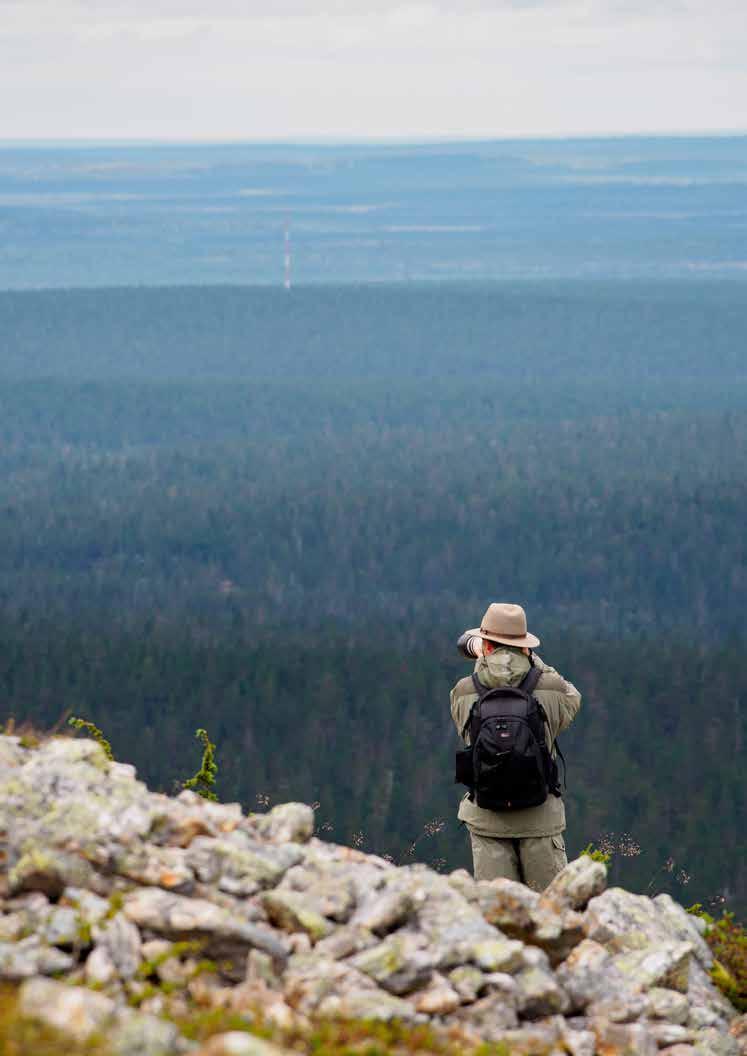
380	68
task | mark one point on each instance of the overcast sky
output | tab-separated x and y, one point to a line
283	69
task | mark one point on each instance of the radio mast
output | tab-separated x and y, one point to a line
287	278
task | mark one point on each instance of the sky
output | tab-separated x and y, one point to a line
369	69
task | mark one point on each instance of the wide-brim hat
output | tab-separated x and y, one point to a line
507	625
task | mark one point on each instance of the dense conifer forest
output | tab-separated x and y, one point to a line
271	515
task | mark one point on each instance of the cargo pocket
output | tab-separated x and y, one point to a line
558	853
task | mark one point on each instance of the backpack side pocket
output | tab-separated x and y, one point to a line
464	773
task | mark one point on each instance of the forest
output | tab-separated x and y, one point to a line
271	514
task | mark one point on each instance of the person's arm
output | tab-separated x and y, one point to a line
470	645
461	705
565	699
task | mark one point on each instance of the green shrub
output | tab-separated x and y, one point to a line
728	940
596	855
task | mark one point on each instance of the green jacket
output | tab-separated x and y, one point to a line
561	701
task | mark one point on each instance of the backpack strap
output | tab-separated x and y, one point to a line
530	680
481	690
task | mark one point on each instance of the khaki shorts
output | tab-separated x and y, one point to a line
532	860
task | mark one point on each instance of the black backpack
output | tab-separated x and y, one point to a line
508	765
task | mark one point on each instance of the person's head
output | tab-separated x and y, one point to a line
489	647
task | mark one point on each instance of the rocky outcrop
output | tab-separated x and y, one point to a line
121	911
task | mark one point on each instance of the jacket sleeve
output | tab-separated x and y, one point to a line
461	704
560	698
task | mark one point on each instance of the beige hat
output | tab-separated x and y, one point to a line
506	624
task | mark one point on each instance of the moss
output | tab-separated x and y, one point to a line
175	951
203	1024
116	904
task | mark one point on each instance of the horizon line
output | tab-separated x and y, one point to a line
358	141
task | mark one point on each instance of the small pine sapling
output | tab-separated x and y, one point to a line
93	731
203	781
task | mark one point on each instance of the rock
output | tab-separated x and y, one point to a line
557	933
682	926
399	964
738	1031
588	975
71	1010
522	914
708	1006
89	908
27	958
497	955
367	1005
666	964
345	941
239	865
667	1004
107	879
11	752
327	885
386	911
12	927
154	866
257	999
489	1017
540	1037
136	1034
47	870
539	994
100	968
237	1043
623	1039
508	905
574	886
61	928
181	918
437	999
292	912
712	1042
260	967
468	981
288	823
310	979
677	1050
624	1007
671	1034
222	935
631	922
121	940
579	1042
465	884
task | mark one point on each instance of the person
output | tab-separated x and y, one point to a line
525	844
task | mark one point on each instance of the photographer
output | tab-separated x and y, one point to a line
509	714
